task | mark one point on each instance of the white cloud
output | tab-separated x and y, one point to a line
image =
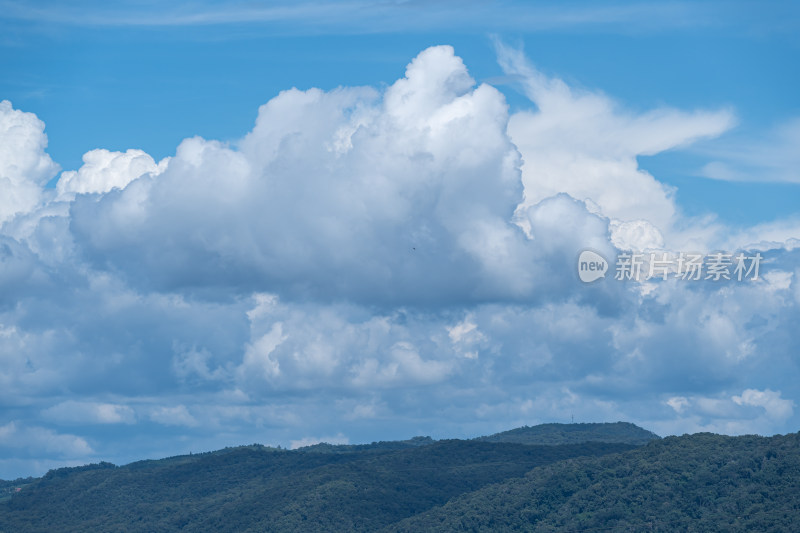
774	406
304	347
773	158
466	338
404	196
257	356
777	280
76	412
636	235
103	171
36	441
752	411
583	144
678	403
403	366
777	234
796	286
24	165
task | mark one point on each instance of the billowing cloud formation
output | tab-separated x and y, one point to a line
582	144
103	170
340	194
24	165
370	265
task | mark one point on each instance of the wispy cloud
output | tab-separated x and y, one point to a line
368	16
775	157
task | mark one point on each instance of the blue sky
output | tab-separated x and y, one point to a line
228	222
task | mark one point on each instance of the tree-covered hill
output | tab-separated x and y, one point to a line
700	483
574	433
255	488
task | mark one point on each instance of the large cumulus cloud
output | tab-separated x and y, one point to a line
373	264
393	198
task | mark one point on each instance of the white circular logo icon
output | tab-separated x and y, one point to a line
591	266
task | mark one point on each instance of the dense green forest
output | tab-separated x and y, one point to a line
700	482
692	483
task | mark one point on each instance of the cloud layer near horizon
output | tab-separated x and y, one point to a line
374	264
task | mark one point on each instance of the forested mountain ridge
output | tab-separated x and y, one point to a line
700	482
252	489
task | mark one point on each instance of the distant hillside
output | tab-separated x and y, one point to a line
255	488
700	482
552	434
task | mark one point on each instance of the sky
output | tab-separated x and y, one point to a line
225	223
